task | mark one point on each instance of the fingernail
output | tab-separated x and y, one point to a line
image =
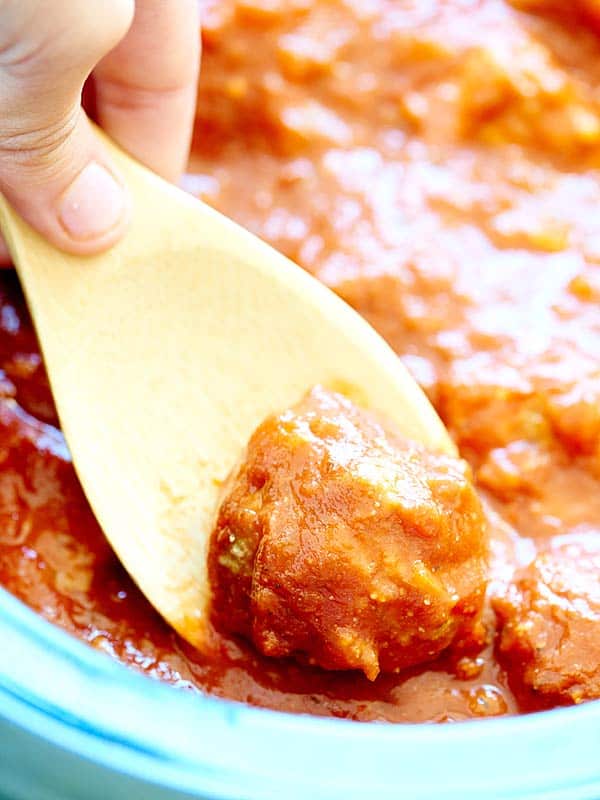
93	204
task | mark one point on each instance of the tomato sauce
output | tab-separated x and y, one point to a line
435	164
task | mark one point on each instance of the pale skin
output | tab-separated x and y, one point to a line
139	63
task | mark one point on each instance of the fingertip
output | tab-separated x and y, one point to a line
84	207
88	217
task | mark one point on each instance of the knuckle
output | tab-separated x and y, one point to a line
113	93
40	151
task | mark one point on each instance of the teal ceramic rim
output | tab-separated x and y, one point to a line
56	688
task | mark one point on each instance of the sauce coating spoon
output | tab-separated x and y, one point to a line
163	356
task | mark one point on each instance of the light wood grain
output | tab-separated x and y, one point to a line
165	353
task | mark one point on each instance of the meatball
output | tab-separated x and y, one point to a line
550	622
344	545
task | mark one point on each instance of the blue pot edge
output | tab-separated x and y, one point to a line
569	735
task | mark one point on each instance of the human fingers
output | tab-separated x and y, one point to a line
145	89
53	168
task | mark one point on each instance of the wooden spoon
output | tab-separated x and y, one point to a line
166	352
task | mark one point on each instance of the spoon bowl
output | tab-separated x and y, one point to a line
166	352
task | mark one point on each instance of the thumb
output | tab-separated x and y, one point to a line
53	168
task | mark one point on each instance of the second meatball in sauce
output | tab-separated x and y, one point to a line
344	545
550	619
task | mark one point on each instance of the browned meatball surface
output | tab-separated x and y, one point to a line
550	621
344	545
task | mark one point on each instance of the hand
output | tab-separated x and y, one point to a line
143	57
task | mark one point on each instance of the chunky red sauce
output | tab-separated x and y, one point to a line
435	163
